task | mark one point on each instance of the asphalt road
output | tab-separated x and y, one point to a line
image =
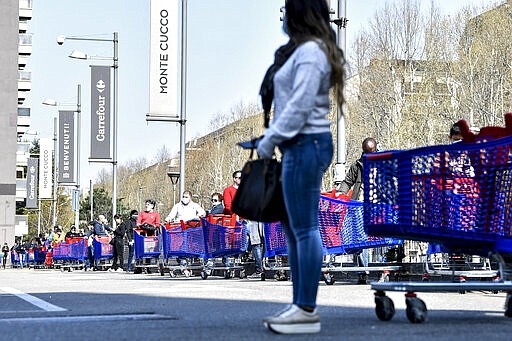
52	305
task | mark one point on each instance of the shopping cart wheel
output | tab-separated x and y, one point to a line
416	310
328	279
204	275
508	306
172	273
384	307
187	272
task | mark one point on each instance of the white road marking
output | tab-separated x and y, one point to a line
88	318
32	300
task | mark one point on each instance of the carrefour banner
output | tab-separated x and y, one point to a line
32	168
100	112
163	59
45	168
66	147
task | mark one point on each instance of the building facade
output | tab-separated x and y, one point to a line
15	47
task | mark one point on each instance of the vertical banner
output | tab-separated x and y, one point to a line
163	58
45	168
100	112
66	147
32	168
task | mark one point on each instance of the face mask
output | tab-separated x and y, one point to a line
135	216
185	201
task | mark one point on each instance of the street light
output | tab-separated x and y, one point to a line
80	55
175	177
53	102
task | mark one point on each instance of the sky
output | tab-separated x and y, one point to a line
230	46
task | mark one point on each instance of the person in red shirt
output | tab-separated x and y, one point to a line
149	220
230	191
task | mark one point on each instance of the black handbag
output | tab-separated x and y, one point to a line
259	196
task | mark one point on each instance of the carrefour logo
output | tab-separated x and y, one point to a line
100	85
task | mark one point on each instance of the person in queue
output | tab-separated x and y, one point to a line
186	210
230	191
354	180
299	81
148	220
118	244
131	224
217	207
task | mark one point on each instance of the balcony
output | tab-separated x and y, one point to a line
20	225
26	9
21	189
23	26
25	44
22	61
24	80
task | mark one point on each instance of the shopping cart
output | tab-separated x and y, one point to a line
183	248
224	238
61	255
77	254
36	257
147	252
103	252
457	195
342	232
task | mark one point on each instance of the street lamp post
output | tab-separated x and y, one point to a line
115	58
52	102
175	177
182	119
341	154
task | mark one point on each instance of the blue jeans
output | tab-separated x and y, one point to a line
258	257
305	160
131	248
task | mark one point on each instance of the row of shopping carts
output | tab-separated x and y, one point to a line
458	196
71	254
342	232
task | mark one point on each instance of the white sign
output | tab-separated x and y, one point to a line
45	168
163	59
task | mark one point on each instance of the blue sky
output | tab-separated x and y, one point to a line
230	45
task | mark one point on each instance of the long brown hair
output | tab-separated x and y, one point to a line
307	19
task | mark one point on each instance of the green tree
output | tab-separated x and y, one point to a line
102	204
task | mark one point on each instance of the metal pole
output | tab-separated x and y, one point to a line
39	217
183	99
173	195
78	134
91	199
114	139
339	170
55	127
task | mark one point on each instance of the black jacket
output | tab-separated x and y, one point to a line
120	231
130	225
353	179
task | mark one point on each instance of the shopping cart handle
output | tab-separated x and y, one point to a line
378	156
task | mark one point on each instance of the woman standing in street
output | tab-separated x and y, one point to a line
303	72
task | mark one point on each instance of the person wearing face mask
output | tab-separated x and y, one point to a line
185	210
130	225
149	220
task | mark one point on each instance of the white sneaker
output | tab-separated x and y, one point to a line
111	270
294	320
120	270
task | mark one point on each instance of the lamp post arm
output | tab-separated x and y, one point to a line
87	39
